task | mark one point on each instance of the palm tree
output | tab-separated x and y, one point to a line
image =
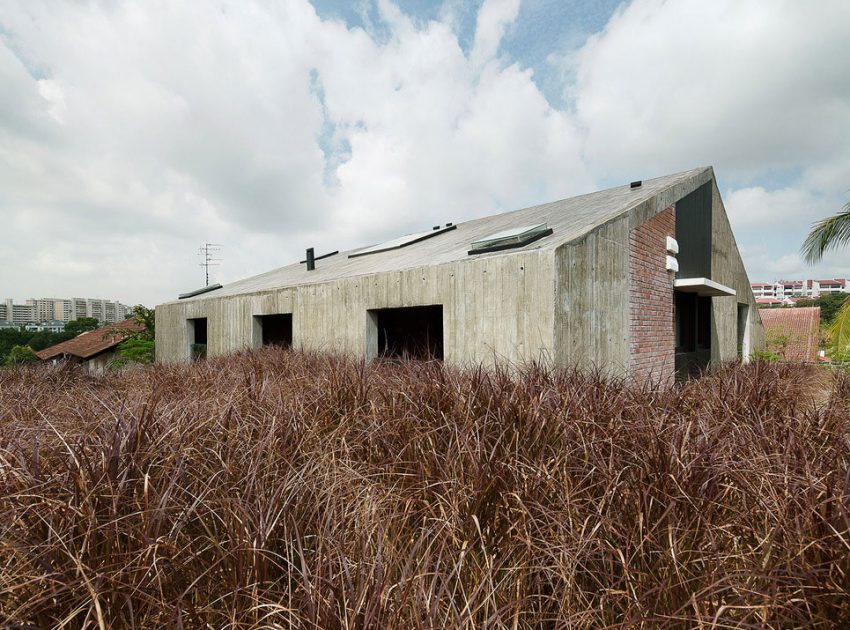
826	234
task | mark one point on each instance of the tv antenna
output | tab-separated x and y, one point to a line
207	252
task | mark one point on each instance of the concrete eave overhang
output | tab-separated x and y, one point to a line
702	286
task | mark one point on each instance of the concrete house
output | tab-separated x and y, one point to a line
643	279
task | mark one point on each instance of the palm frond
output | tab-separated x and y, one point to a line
827	233
839	329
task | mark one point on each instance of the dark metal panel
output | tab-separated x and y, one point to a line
693	232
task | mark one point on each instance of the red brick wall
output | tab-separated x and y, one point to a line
651	299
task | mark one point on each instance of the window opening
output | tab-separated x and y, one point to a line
414	332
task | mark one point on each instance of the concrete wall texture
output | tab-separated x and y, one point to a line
601	300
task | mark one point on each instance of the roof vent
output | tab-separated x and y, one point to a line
511	238
328	255
311	259
636	184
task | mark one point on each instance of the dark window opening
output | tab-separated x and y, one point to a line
412	333
197	338
276	330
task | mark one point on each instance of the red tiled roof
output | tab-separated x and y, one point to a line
761	284
88	344
794	328
768	300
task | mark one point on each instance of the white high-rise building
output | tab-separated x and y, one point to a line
37	310
800	288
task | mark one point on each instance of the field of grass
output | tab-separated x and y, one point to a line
277	489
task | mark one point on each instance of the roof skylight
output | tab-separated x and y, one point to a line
402	241
510	238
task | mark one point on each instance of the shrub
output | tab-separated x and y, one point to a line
20	354
765	356
277	489
135	350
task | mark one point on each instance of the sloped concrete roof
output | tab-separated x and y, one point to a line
569	219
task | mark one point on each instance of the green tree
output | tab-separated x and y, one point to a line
826	234
139	347
829	304
135	350
11	337
147	318
81	325
20	354
45	338
829	233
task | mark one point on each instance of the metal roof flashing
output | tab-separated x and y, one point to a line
207	289
403	241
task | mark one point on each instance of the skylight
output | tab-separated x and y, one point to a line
507	239
402	241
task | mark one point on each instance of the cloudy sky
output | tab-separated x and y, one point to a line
132	132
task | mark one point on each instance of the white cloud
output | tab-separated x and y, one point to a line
757	89
745	85
132	132
255	124
494	17
775	210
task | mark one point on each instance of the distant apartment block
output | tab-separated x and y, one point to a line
36	310
784	289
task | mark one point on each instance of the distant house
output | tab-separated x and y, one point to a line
644	279
53	325
792	333
767	301
95	349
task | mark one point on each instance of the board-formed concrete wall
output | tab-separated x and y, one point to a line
727	268
591	309
495	309
568	304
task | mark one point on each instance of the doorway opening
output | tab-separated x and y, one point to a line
414	332
744	332
197	334
693	333
274	330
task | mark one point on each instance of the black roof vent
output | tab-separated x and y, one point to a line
637	184
328	255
